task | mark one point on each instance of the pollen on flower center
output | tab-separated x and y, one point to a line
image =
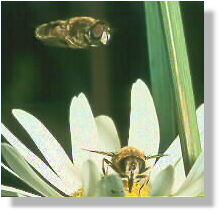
78	193
138	190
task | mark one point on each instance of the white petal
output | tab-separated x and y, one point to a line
162	184
196	170
144	132
193	189
83	132
108	136
18	164
91	176
34	161
174	158
179	175
17	191
50	148
200	120
194	183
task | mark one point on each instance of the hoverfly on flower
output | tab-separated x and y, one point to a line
130	163
76	33
135	161
57	175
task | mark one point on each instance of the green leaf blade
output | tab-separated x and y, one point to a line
180	71
160	76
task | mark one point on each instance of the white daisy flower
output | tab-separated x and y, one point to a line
88	133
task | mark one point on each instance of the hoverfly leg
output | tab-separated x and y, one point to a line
109	163
146	181
147	168
105	171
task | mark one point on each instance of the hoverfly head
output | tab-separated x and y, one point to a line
99	34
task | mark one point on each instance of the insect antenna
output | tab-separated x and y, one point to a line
155	156
111	154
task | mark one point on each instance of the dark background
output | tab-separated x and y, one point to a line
42	79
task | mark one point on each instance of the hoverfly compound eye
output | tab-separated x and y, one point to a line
100	32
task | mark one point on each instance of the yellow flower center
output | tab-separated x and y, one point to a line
79	193
138	190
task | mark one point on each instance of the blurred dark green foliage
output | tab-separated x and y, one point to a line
42	80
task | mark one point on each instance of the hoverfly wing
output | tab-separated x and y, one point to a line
52	33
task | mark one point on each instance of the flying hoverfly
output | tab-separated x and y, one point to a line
130	163
76	33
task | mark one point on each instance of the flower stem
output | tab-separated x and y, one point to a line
180	71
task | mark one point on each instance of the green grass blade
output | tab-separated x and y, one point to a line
180	70
160	74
